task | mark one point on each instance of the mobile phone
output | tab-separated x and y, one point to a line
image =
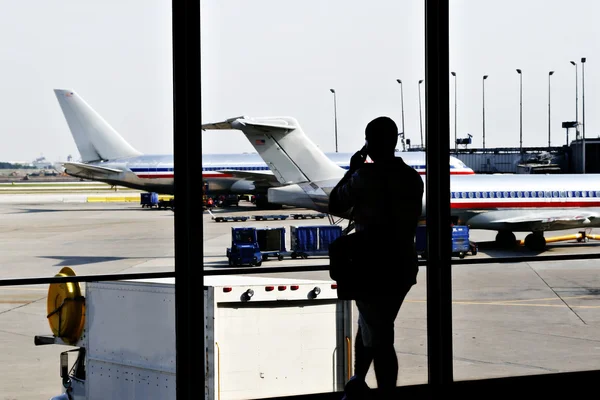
363	151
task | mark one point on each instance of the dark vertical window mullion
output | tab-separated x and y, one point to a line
188	192
437	117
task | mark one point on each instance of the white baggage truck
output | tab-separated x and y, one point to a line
264	337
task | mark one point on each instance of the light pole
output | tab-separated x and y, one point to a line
335	117
583	113
576	101
401	103
455	142
483	96
549	75
420	113
521	111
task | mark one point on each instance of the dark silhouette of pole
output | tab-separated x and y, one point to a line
420	113
576	101
549	75
483	97
455	137
520	110
335	117
401	104
583	113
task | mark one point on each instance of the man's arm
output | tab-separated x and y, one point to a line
340	198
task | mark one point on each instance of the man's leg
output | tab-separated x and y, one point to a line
384	353
363	356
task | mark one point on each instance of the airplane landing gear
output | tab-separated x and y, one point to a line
506	239
535	241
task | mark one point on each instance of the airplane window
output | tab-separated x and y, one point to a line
555	194
453	195
513	195
562	194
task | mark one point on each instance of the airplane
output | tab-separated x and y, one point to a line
504	203
107	157
248	173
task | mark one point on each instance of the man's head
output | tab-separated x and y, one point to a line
381	135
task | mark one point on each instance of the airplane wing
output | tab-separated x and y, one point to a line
81	169
260	178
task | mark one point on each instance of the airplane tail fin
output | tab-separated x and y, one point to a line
284	147
96	140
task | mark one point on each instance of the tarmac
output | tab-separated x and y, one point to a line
509	319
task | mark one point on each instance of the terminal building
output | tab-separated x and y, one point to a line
533	160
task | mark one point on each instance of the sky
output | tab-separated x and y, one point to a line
276	58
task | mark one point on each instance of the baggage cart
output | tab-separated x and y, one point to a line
273	217
461	243
271	242
313	240
149	199
308	216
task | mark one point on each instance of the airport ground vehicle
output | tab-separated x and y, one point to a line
461	243
243	355
271	242
149	199
154	200
244	248
313	240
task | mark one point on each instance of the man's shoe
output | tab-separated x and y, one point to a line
356	389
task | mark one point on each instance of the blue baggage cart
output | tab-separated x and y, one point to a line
149	199
461	243
313	239
271	242
460	240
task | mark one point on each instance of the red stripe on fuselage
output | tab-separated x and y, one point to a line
524	204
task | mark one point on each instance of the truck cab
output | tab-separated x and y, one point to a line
244	248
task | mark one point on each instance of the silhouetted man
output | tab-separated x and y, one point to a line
385	200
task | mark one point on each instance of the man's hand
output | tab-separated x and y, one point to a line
357	160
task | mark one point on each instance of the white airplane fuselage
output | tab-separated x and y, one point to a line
517	203
152	173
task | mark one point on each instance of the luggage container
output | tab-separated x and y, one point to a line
461	243
149	199
271	242
313	240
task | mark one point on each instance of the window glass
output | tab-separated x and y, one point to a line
319	68
108	66
514	106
